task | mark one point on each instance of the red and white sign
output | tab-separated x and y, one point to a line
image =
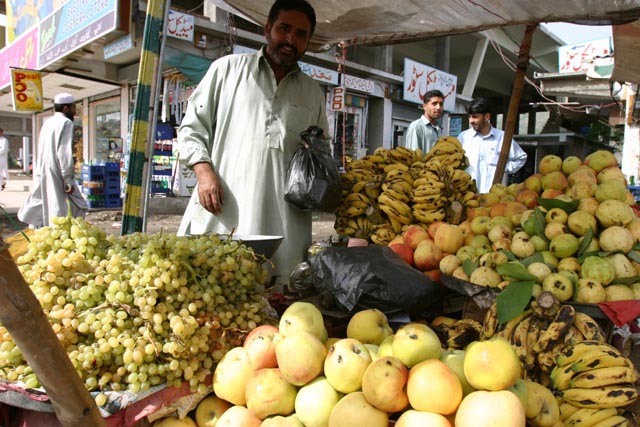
337	96
181	26
579	57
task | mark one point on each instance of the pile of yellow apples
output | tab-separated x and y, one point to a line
293	374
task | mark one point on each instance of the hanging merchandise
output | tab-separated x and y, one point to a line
165	96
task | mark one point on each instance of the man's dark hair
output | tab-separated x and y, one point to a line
299	5
479	106
58	107
432	94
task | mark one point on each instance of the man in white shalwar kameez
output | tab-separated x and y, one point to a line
241	128
4	159
54	181
482	144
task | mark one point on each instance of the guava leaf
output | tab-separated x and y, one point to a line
509	254
513	299
626	280
515	271
536	257
469	266
539	223
586	241
636	247
635	256
568	207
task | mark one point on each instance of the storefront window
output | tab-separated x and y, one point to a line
107	141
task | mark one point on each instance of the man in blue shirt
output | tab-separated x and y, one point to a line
424	132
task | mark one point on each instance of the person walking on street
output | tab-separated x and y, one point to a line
425	131
54	181
240	130
482	144
4	160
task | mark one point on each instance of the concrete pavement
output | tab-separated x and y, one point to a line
15	192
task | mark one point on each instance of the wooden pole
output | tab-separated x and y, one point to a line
22	316
516	93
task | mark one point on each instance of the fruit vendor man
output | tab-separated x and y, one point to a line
425	131
241	128
54	181
482	144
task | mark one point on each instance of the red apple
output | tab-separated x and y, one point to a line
427	255
404	251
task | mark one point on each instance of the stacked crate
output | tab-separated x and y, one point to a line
101	185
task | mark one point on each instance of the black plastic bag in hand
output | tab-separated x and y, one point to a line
313	181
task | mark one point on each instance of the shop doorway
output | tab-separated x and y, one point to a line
349	140
106	141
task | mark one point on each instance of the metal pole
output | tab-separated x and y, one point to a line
516	93
144	118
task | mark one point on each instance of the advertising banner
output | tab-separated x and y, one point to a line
23	53
26	89
579	57
181	26
74	25
420	78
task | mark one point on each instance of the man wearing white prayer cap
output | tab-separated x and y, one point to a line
54	181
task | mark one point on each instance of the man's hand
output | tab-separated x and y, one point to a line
69	188
210	190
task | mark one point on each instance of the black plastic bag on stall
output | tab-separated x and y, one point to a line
313	180
374	277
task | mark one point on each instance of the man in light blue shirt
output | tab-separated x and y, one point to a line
482	144
241	128
424	132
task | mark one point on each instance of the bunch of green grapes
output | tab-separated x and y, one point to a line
139	310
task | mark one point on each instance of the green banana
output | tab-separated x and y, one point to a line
588	417
601	397
615	421
575	352
604	376
556	330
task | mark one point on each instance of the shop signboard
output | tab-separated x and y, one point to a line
579	57
23	53
118	46
26	89
356	83
76	24
420	78
323	75
181	26
337	98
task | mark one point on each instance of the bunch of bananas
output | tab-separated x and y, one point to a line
442	189
593	375
456	333
541	332
396	187
576	416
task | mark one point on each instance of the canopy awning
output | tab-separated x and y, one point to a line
381	22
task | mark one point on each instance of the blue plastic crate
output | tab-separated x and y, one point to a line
95	204
92	173
112	201
92	191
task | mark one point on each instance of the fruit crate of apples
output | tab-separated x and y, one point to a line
444	373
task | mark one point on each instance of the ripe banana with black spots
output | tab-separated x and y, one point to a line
567	410
519	340
615	421
601	397
588	327
588	417
573	353
601	377
506	329
429	216
556	330
490	323
600	359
